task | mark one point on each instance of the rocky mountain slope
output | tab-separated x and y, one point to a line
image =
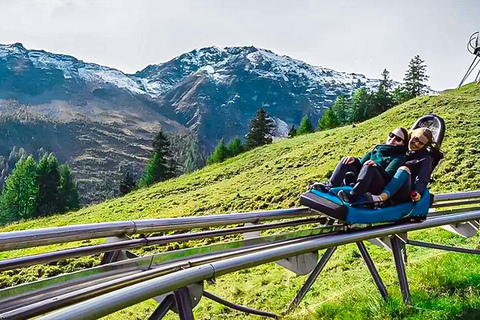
93	117
217	91
101	120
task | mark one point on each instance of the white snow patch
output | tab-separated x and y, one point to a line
282	128
8	50
154	88
209	69
111	76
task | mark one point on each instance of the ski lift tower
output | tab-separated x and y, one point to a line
473	46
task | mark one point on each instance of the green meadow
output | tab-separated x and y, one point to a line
443	285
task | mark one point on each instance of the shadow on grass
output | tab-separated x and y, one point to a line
469	314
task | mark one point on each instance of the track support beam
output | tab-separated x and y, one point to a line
162	308
184	306
373	271
117	255
234	306
397	246
311	279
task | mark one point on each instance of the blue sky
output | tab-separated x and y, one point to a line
353	36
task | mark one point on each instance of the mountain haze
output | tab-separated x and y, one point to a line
102	121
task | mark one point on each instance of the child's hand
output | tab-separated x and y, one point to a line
370	163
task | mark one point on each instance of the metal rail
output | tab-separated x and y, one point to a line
119	299
25	261
442	247
38	237
45	302
456	196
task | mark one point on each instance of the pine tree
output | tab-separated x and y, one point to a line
293	131
261	130
153	172
386	83
328	121
383	98
161	144
19	198
127	184
360	105
305	126
162	147
67	190
219	154
341	109
161	166
192	157
400	95
416	77
48	181
8	163
234	147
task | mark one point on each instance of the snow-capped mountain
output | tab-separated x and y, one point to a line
99	118
20	63
217	91
218	62
94	117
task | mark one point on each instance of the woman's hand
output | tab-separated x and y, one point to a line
370	163
348	160
415	196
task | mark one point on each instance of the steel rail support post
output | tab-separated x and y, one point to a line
469	71
235	306
184	306
400	266
373	271
162	308
311	279
442	247
116	255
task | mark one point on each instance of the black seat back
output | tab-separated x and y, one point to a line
437	125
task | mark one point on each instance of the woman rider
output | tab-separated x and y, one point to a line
410	180
378	165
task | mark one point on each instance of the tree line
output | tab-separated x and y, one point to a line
37	189
361	106
260	132
163	166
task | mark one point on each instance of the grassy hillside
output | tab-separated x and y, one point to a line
443	286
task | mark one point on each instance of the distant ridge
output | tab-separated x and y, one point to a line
101	120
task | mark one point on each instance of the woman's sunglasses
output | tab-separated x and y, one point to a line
395	137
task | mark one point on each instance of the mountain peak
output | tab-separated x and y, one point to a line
14	48
18	45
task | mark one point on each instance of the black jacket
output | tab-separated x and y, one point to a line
420	165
